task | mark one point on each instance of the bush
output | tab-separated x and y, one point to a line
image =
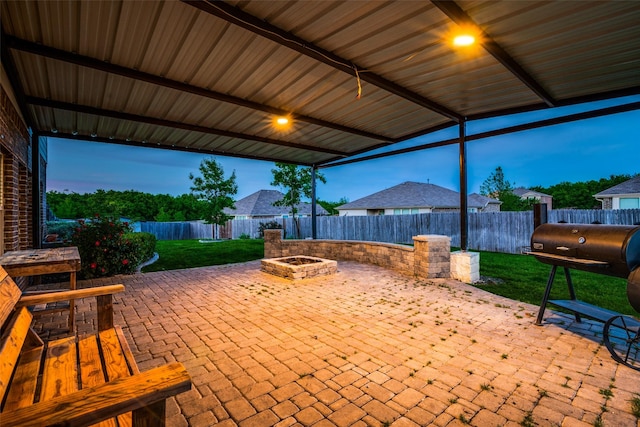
63	229
108	246
244	236
271	225
144	242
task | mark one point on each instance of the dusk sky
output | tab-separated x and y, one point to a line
578	151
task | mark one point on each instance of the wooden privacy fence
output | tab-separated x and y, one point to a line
508	232
178	230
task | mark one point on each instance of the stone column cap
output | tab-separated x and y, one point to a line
431	238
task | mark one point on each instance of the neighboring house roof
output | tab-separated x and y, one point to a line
261	202
414	195
631	186
481	201
525	192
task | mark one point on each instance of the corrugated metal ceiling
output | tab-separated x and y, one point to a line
209	76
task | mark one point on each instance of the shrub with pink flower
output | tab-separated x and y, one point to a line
108	246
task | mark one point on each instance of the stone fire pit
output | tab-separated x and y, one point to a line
299	266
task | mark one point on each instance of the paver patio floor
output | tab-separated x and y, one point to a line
365	347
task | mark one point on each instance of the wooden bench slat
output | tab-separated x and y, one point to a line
95	404
92	374
91	371
23	386
128	354
9	295
60	372
116	363
13	338
114	352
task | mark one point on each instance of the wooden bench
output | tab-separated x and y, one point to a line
76	381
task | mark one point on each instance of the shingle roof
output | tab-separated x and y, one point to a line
261	202
631	186
478	200
414	195
521	191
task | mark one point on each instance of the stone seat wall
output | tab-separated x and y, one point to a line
429	257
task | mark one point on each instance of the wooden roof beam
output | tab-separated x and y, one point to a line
258	26
460	17
172	124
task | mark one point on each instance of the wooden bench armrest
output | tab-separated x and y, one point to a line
49	297
95	404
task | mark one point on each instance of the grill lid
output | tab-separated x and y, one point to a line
607	249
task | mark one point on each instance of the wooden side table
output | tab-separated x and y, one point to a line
37	262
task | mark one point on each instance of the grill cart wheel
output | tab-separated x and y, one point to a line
622	338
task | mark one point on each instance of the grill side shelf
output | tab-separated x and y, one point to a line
570	260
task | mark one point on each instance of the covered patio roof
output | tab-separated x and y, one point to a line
210	77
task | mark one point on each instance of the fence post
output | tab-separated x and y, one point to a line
539	214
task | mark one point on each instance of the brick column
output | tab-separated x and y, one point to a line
465	266
432	256
272	243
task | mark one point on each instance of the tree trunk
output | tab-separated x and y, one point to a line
296	221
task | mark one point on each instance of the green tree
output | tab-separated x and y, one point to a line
134	205
497	187
216	190
512	202
191	206
579	195
62	206
163	216
496	184
331	206
296	182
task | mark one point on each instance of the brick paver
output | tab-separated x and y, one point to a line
366	346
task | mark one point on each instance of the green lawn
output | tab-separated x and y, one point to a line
177	254
519	277
523	278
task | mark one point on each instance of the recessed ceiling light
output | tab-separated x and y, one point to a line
464	40
282	121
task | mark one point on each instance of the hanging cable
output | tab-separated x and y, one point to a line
358	82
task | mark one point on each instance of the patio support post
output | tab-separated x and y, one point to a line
36	197
464	212
314	231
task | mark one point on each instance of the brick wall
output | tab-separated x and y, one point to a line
16	177
607	203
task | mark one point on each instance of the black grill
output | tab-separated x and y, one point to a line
606	249
612	250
